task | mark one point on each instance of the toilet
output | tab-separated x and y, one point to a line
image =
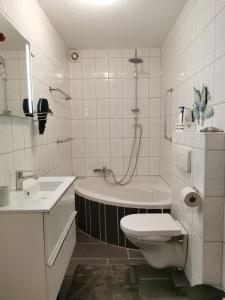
162	240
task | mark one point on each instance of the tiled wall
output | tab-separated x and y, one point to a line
204	224
103	89
193	54
21	147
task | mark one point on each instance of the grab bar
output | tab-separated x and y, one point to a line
51	89
165	115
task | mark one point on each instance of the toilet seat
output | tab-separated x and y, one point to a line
146	225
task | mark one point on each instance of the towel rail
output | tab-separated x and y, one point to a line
51	89
58	141
165	115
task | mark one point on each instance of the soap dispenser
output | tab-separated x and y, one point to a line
181	115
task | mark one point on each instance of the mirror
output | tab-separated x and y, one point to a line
15	71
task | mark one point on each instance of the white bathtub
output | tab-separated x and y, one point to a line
143	192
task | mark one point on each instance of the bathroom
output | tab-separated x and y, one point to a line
111	116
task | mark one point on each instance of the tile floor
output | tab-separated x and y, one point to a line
98	271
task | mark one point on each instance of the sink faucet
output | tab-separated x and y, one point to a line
20	178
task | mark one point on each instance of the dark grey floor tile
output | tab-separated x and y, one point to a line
103	283
163	298
75	262
135	253
144	271
83	237
118	261
64	290
156	288
99	251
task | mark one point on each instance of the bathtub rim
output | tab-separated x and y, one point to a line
109	200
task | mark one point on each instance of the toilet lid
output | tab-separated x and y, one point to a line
150	224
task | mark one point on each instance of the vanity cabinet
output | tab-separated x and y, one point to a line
35	249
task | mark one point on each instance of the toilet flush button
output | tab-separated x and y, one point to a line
183	158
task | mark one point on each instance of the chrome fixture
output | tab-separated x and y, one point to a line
20	178
4	77
58	141
67	97
127	177
169	91
211	129
101	171
135	110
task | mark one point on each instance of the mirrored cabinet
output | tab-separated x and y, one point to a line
15	73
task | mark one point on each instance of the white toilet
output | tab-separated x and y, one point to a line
162	240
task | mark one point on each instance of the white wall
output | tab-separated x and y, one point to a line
192	55
102	87
21	147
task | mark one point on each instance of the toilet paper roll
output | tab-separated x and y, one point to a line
4	196
190	197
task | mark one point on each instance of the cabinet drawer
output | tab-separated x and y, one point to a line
55	273
56	220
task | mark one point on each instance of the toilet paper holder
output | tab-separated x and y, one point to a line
197	191
191	196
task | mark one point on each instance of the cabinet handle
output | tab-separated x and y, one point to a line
61	240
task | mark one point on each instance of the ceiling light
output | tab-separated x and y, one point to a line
104	2
98	2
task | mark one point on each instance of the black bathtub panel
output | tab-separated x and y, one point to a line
88	213
95	219
102	222
154	211
121	214
111	224
82	214
130	211
142	211
77	208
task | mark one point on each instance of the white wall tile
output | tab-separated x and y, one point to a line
104	103
213	219
220	40
90	129
212	263
214	172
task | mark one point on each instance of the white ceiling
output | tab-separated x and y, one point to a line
125	24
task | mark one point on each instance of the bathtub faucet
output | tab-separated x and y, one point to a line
101	171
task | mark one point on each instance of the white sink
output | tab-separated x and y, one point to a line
42	189
38	195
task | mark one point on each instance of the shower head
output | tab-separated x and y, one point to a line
136	60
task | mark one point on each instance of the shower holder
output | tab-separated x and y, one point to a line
135	110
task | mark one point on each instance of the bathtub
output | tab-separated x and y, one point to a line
101	205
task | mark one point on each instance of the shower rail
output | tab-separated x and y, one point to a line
68	97
165	115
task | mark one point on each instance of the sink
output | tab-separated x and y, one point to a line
35	190
41	189
38	195
49	185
